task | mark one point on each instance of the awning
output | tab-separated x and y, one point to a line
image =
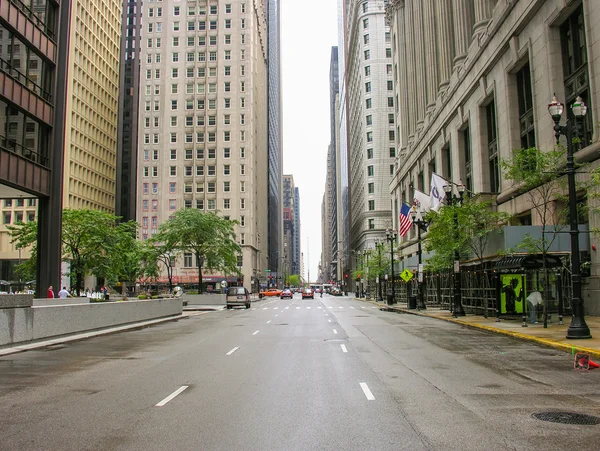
534	261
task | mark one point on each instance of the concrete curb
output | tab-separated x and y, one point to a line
85	335
541	341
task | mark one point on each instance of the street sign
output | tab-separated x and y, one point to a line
406	275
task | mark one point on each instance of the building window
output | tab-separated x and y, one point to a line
371	170
371	188
447	163
468	168
369	154
575	68
368	103
371	205
369	137
371	224
492	145
367	71
392	152
367	54
187	260
525	98
365	23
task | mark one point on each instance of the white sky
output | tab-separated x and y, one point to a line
308	31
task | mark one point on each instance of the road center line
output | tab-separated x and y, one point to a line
344	348
233	350
171	396
335	331
367	392
255	332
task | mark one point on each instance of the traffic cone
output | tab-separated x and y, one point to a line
592	365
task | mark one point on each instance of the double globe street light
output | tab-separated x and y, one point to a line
578	327
456	200
390	235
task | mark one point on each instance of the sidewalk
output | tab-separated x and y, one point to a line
553	336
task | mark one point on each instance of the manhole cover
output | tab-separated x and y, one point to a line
566	418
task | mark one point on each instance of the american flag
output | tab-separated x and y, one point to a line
405	221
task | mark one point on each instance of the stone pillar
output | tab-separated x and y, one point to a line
411	88
400	65
445	42
464	18
431	61
419	67
483	13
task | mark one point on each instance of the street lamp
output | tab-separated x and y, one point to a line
578	327
454	200
361	271
422	225
391	237
379	245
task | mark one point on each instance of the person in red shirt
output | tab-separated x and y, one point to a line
50	294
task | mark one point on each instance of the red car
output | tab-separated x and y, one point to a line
308	293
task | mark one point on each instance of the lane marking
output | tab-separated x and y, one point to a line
256	332
335	331
366	391
329	320
171	396
286	308
276	315
344	348
268	321
254	308
351	307
319	307
362	307
233	350
297	308
264	308
326	314
329	307
275	308
342	308
307	308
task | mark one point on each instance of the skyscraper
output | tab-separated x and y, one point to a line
203	123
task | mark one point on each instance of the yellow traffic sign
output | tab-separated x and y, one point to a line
406	275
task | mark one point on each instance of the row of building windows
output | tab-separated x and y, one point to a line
192	10
188	170
211	137
200	154
210	204
188	187
17	216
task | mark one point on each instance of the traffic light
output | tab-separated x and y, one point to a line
346	276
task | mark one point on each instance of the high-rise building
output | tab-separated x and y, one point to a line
369	94
474	79
275	152
297	233
289	230
129	99
58	120
203	130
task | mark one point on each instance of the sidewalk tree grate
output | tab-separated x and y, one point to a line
567	418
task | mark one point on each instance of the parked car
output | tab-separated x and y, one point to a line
308	293
287	293
237	296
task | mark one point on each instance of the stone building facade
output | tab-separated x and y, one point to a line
473	80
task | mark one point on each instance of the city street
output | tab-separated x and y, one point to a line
331	373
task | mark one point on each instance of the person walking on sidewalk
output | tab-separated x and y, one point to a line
50	293
64	294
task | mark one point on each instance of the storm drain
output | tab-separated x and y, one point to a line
566	418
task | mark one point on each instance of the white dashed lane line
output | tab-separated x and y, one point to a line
233	350
268	321
366	391
255	332
335	331
171	396
344	348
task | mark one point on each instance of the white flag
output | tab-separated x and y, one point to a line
437	191
422	201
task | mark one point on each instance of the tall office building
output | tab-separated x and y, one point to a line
289	224
275	151
369	94
58	106
297	235
129	99
203	123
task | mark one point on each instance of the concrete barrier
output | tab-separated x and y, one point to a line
18	325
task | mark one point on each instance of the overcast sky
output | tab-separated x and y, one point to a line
308	31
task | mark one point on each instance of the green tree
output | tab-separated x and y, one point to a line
24	236
209	237
538	175
165	250
294	280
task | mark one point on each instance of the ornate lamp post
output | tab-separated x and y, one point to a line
578	327
422	225
391	237
453	199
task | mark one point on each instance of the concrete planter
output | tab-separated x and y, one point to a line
16	300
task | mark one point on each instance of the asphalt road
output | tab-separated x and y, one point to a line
331	373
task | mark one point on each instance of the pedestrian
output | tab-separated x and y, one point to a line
63	294
50	293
